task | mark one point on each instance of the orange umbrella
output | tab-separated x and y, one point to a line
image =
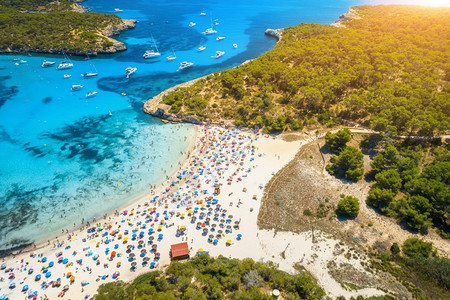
72	278
69	274
203	224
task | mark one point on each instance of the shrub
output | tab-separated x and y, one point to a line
348	207
414	247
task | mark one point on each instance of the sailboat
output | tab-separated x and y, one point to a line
152	53
92	73
210	30
172	56
65	64
202	47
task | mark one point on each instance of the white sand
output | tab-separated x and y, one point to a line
270	156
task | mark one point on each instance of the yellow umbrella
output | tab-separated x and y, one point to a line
182	226
200	249
159	227
125	238
229	241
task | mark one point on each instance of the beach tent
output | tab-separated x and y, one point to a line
179	251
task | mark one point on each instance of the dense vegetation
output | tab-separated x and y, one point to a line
347	162
204	277
412	184
56	25
421	271
348	206
389	70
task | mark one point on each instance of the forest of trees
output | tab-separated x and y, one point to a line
389	70
59	26
411	183
204	277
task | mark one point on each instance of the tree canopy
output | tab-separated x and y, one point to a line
204	277
348	206
44	25
388	70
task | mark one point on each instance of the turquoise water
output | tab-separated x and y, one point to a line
64	157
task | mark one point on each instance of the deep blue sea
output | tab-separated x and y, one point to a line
64	157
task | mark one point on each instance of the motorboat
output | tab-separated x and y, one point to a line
47	63
130	71
192	24
22	61
91	94
76	87
67	75
209	31
219	38
218	54
185	65
202	13
64	65
201	48
118	9
234	46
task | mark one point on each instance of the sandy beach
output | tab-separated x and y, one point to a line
184	208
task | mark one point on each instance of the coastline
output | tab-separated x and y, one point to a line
42	244
263	156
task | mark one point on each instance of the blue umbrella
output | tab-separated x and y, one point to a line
107	242
48	274
160	235
141	233
12	285
215	242
38	277
152	264
116	246
134	235
30	271
65	261
44	259
25	287
51	264
239	236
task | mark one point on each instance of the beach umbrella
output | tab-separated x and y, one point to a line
116	246
146	259
141	242
65	261
134	235
72	278
95	257
3	266
151	238
200	250
215	242
132	255
83	283
239	236
160	236
44	259
229	241
116	274
51	264
152	264
129	247
48	274
11	275
45	265
154	246
133	264
65	288
119	264
24	288
12	285
143	251
38	277
30	271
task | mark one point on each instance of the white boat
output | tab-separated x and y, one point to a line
209	31
93	71
219	38
172	56
216	23
67	75
47	63
192	24
118	9
76	87
65	64
129	71
22	61
185	65
218	54
152	53
202	13
201	48
91	94
234	46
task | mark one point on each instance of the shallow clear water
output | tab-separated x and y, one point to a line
64	157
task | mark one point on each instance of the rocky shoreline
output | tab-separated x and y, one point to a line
154	107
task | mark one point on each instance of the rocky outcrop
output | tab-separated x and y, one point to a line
276	33
160	110
352	14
